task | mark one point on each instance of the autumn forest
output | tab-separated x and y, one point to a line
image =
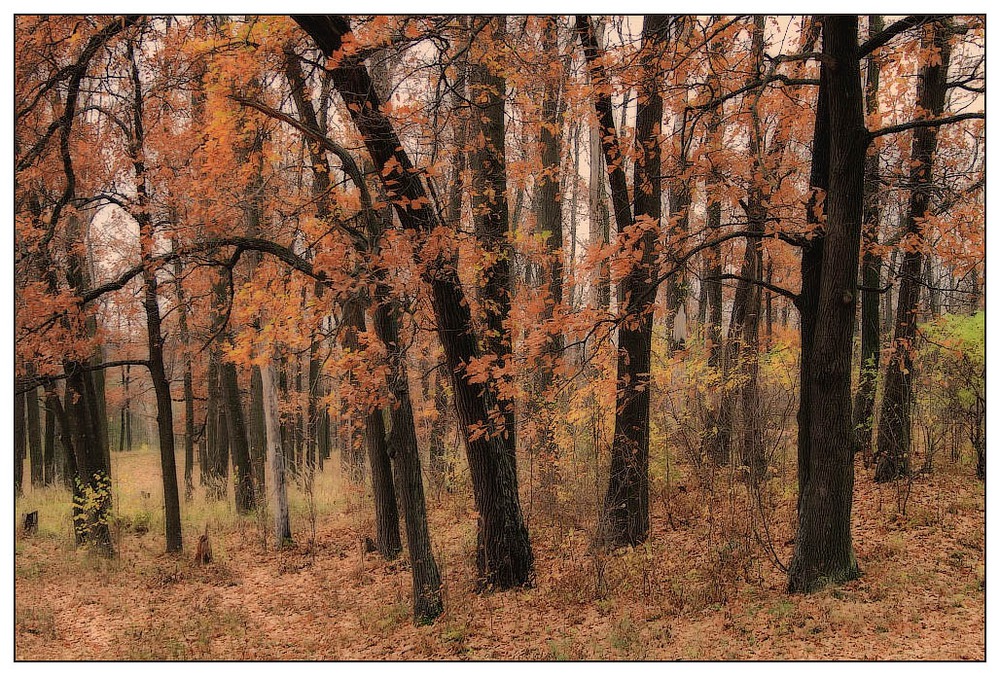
499	337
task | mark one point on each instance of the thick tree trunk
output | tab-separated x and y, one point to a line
92	482
504	558
823	549
492	224
894	444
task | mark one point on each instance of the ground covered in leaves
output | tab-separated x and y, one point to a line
708	586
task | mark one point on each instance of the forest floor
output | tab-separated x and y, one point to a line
706	587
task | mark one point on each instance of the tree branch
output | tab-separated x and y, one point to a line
880	39
29	383
781	291
933	122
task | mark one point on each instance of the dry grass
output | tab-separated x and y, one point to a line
704	586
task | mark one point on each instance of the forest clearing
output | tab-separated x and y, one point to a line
499	337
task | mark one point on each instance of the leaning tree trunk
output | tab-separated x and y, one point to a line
823	549
894	444
503	552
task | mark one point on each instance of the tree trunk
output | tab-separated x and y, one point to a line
893	452
405	454
625	514
600	218
258	431
246	498
386	512
49	452
549	224
217	459
20	442
504	558
275	457
492	225
823	549
871	272
35	438
182	327
154	334
716	440
92	494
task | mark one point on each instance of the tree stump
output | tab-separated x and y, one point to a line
31	522
203	554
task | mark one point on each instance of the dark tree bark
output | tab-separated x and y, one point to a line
92	483
246	495
492	222
49	444
35	438
403	449
258	431
871	271
823	549
893	452
747	329
386	512
549	224
625	515
184	335
125	417
216	461
719	428
504	558
20	441
154	333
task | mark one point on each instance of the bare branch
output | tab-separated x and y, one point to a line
931	122
880	39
